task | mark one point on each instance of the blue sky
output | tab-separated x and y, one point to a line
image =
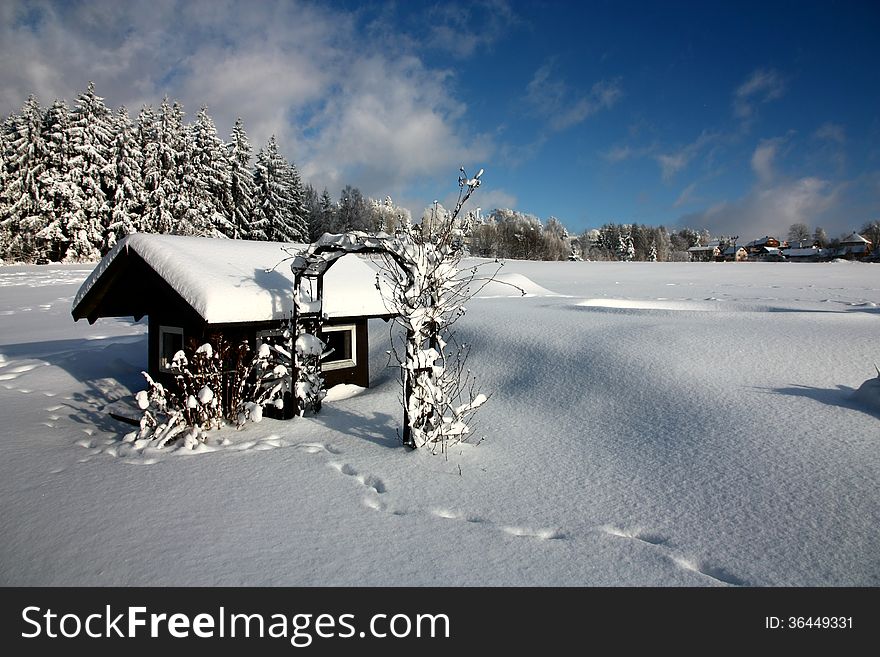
737	117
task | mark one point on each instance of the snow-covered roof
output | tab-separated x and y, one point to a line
764	240
228	281
802	253
855	238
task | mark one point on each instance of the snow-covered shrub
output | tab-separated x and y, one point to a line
266	382
194	406
309	387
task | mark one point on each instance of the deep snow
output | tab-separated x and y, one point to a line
650	424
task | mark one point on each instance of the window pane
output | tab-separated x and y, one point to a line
169	344
340	343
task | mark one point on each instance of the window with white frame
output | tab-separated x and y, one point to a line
170	342
341	351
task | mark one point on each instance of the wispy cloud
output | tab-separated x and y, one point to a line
763	158
464	29
686	197
620	153
831	132
560	106
762	86
675	160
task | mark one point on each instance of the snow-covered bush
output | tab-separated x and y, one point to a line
217	383
269	376
189	411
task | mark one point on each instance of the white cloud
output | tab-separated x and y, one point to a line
345	108
619	153
771	209
762	86
674	161
562	108
762	159
463	29
831	132
686	196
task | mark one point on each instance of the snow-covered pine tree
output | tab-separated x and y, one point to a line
212	173
652	254
4	153
190	206
241	182
312	204
25	164
125	181
159	135
297	230
278	214
90	139
60	195
328	209
353	212
625	249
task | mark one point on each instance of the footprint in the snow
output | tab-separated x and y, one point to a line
372	482
317	448
543	534
373	503
344	468
56	470
637	535
717	573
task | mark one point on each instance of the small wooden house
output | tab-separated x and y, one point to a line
854	247
735	253
706	253
194	288
762	246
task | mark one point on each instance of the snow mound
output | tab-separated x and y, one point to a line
513	285
868	394
343	391
651	304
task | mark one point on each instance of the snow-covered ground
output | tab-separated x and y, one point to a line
650	424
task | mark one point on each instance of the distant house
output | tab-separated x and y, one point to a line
854	247
767	254
735	253
195	288
812	254
706	253
756	247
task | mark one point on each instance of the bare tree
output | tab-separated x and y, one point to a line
798	232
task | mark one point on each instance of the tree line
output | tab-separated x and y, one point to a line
74	180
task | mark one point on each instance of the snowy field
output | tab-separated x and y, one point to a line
651	424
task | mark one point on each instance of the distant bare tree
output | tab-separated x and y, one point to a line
798	232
